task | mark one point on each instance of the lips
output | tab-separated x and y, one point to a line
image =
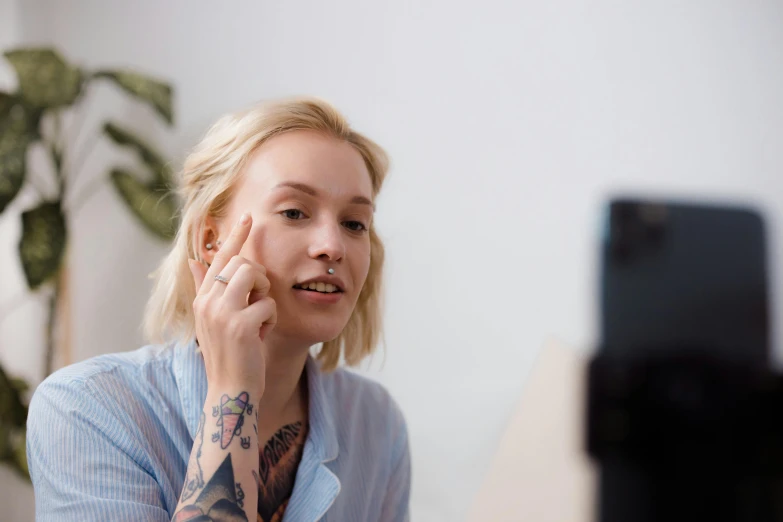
315	297
326	288
321	283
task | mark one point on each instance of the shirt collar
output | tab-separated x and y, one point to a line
316	486
323	433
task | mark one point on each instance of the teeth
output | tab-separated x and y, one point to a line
319	287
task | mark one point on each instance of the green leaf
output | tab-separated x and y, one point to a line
13	412
157	209
45	80
13	418
149	90
153	160
6	451
19	448
19	385
43	242
23	116
6	102
15	137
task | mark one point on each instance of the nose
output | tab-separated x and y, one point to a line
328	243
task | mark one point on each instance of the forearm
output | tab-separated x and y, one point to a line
222	473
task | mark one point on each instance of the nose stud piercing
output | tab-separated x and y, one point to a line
331	270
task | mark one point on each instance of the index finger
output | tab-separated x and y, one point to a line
230	248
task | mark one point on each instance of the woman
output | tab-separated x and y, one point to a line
228	417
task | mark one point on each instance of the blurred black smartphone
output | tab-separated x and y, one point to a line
684	276
677	279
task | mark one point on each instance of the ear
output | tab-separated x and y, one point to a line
209	236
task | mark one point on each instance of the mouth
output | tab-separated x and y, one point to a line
320	291
319	287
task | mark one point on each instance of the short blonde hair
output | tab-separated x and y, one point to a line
206	184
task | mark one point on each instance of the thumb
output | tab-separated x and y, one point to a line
199	271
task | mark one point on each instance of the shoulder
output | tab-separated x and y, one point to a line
362	407
121	365
106	415
108	386
106	374
355	392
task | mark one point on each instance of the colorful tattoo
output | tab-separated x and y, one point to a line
230	418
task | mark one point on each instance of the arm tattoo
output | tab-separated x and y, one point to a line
195	477
221	499
240	495
277	464
230	418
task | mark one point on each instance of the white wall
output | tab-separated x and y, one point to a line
508	123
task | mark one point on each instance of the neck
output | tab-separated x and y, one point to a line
284	393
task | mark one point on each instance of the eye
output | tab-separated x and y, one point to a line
355	226
293	214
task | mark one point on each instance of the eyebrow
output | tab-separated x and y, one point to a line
307	189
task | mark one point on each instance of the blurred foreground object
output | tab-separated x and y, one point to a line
539	471
43	113
683	409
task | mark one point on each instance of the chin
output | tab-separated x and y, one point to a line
324	335
311	331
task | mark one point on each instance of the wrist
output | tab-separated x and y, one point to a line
216	391
232	416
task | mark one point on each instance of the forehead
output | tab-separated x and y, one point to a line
327	164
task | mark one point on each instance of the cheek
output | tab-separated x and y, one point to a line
266	246
361	265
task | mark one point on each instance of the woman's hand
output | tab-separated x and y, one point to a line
233	318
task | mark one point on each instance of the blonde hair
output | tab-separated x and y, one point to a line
207	180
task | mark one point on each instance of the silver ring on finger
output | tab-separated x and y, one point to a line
221	279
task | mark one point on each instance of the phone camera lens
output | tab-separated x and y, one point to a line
654	218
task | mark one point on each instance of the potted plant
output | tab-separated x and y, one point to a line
33	115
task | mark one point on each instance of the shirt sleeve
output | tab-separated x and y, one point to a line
396	502
84	464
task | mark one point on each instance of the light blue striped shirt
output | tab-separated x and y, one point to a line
110	438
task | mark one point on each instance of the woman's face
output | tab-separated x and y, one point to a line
310	197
